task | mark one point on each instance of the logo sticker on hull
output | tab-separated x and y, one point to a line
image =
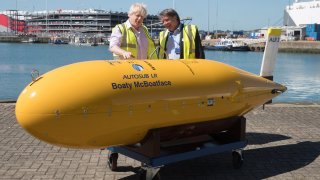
137	67
210	102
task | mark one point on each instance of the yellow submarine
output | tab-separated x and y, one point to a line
103	103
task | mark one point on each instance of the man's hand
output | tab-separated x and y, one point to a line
127	55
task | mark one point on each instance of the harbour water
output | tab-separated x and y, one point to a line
299	72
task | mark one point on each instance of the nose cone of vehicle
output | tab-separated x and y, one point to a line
32	112
57	106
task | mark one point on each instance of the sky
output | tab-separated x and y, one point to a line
206	14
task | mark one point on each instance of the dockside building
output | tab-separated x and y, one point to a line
90	22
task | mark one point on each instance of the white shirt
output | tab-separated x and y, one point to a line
173	44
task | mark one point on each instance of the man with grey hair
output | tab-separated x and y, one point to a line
131	39
179	41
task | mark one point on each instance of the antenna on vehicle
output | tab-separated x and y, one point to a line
270	53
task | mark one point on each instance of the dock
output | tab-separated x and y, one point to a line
21	39
283	143
285	46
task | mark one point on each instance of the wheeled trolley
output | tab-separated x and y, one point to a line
173	144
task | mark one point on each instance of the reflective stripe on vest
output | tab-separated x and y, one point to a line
189	32
162	41
124	42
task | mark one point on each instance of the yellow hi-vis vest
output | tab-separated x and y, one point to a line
189	35
129	42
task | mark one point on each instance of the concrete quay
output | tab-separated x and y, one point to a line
283	143
300	46
21	39
285	46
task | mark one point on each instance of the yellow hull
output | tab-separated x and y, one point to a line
103	103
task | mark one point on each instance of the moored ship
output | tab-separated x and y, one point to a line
302	12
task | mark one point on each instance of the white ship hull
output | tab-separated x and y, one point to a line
302	12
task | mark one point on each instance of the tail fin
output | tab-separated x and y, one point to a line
270	53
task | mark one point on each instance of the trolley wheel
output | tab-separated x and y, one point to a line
112	160
143	175
237	159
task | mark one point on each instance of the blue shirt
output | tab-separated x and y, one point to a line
173	43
